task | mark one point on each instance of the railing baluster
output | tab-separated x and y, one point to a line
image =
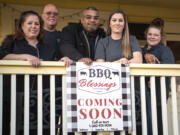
77	133
111	133
164	106
133	106
153	105
89	133
13	105
100	133
174	106
122	132
1	102
52	105
40	108
143	106
64	104
26	105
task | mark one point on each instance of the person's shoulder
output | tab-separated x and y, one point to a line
71	29
72	26
164	47
104	39
101	32
132	37
8	39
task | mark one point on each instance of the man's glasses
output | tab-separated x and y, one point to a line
88	17
52	13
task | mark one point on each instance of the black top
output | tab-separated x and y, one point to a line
52	39
165	56
76	43
42	51
162	52
11	46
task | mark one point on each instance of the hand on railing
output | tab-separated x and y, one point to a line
122	61
151	59
35	61
67	61
86	61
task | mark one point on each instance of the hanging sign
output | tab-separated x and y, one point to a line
98	97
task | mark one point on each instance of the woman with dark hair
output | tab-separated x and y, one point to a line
27	43
118	46
155	52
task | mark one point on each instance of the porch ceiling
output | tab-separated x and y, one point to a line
84	3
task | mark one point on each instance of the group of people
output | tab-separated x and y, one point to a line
36	39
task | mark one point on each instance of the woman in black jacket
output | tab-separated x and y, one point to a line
26	44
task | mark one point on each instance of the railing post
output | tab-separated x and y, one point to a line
174	106
1	103
153	105
26	105
52	105
13	105
64	104
39	106
143	106
133	106
164	106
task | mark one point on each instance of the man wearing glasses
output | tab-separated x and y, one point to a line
50	17
78	41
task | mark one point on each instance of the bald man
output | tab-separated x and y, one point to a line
50	17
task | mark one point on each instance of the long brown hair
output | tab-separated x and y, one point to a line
125	43
19	34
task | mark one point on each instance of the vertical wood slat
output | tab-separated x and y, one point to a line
39	107
26	105
89	133
111	133
100	133
52	105
174	106
153	105
122	133
13	105
64	104
164	106
143	106
1	102
78	133
133	106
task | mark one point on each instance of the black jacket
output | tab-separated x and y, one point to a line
43	51
162	52
11	46
73	42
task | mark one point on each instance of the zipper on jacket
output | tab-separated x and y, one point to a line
37	50
95	44
87	44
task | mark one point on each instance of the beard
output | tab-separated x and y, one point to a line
91	28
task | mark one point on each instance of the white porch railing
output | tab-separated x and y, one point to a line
56	68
